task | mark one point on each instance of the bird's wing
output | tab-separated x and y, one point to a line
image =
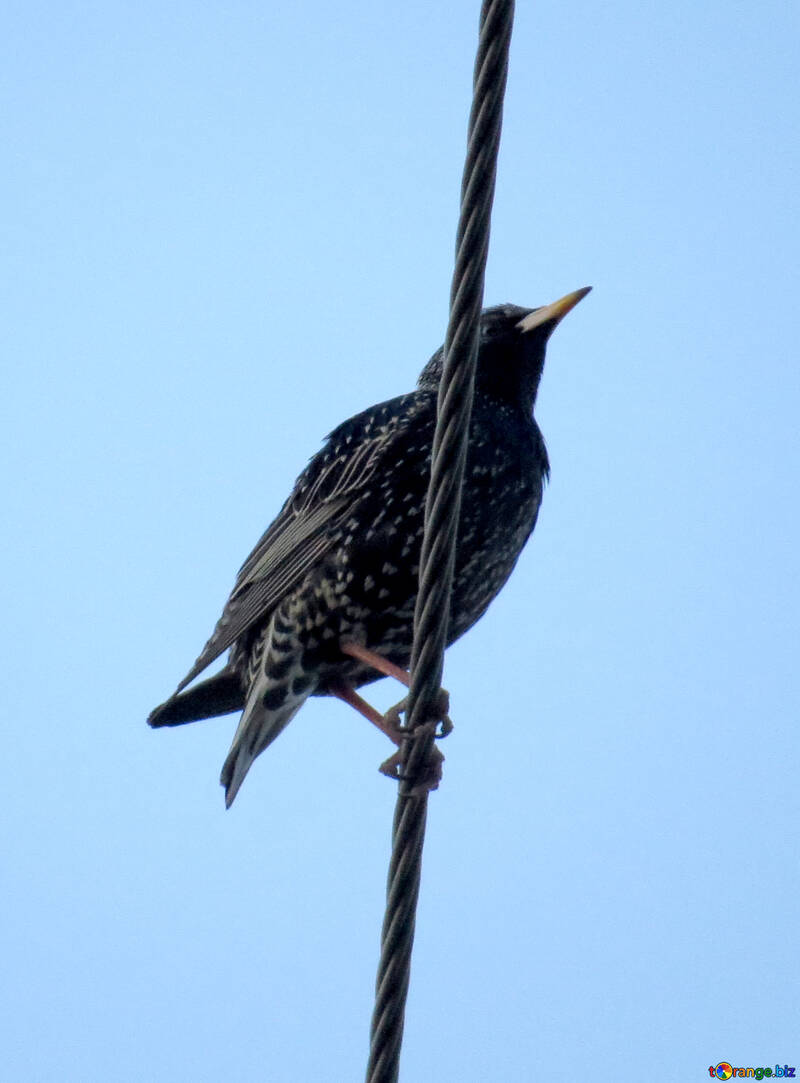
312	519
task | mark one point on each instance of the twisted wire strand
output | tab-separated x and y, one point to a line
439	542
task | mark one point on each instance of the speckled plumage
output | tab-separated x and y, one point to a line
340	561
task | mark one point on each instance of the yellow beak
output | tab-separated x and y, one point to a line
554	313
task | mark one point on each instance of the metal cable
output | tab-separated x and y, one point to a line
439	541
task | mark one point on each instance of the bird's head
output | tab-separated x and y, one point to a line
511	350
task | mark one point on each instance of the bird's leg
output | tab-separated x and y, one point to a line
389	726
389	723
389	669
377	661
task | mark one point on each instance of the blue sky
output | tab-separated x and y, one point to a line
227	228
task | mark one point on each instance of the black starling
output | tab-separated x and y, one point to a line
325	602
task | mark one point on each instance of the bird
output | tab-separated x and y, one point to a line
325	601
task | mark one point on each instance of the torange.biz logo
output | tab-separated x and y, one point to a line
727	1071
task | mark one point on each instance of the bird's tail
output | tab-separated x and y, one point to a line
218	695
269	709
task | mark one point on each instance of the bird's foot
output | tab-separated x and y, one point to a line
440	708
431	778
440	721
390	725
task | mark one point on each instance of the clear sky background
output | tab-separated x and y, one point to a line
227	227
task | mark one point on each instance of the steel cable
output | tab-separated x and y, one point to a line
439	541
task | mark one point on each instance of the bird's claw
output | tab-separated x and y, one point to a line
442	726
441	706
392	768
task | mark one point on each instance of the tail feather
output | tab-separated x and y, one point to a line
218	695
257	730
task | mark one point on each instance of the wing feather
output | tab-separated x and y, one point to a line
312	520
